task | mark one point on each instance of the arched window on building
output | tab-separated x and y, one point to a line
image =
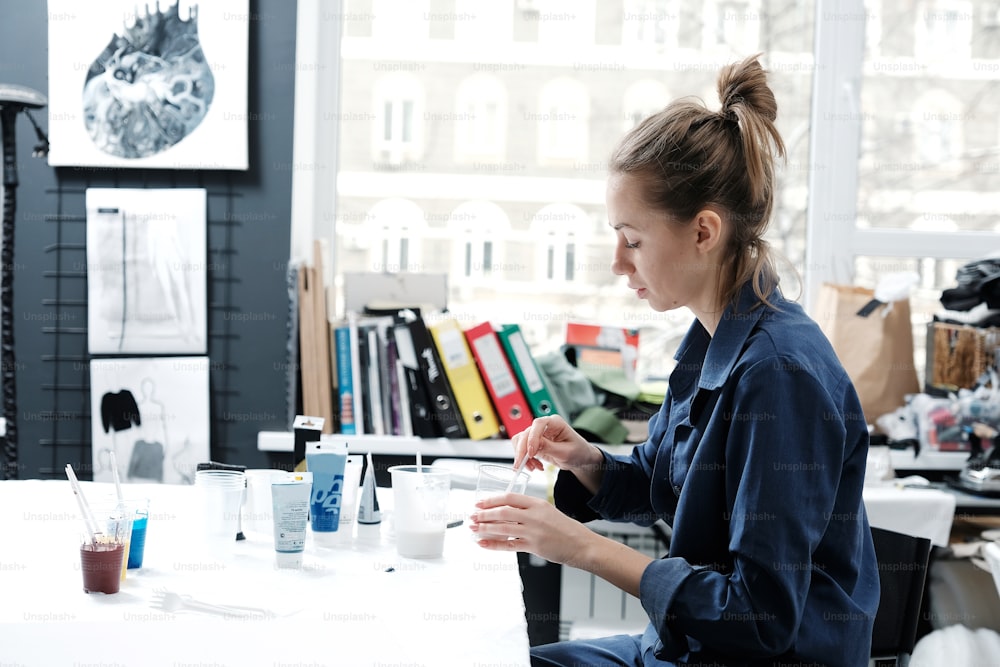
559	229
943	31
937	120
873	28
395	227
935	271
732	26
651	24
563	122
478	22
565	23
396	21
480	119
398	131
478	229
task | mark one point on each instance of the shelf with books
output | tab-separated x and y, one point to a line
403	374
396	445
400	445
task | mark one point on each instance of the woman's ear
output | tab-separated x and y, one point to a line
708	226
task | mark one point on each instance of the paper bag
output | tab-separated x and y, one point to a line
876	348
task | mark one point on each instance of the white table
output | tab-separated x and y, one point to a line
355	604
922	512
991	552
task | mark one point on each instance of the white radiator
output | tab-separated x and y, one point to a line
591	607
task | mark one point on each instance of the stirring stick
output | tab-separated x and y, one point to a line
88	517
517	473
420	467
520	468
114	474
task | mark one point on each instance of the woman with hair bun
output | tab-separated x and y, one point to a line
757	456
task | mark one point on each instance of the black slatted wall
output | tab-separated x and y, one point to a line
248	248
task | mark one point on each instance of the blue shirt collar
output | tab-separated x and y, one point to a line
720	352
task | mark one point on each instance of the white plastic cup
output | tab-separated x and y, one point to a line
258	512
220	494
493	479
115	516
420	509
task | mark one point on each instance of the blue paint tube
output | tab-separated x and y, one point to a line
326	462
290	501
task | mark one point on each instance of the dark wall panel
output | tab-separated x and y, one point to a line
248	244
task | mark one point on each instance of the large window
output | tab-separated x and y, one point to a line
929	144
474	138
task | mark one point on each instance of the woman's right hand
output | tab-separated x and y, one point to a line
552	439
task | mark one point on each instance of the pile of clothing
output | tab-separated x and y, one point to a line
976	299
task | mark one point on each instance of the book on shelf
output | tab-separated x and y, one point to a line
417	400
363	391
356	375
505	393
460	367
526	370
405	418
447	420
345	378
379	389
373	385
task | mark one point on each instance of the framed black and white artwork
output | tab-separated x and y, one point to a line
159	85
153	413
147	271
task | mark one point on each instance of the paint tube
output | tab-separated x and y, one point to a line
326	462
290	504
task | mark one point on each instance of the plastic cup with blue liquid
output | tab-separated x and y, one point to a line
139	521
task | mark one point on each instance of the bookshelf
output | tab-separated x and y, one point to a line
400	445
397	445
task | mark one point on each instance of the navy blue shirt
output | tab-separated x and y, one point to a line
757	461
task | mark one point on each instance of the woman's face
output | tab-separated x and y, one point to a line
658	255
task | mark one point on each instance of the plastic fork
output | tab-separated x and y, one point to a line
175	602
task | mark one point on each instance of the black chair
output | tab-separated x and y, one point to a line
902	564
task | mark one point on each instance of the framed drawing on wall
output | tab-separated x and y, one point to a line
147	271
162	87
153	414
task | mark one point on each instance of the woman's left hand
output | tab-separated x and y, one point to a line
535	525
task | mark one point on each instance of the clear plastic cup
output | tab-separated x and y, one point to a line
420	509
114	516
258	518
219	497
140	519
103	557
493	479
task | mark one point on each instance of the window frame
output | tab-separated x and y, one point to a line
833	239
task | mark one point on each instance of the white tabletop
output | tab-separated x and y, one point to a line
355	604
991	552
923	512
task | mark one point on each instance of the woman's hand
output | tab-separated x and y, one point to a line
552	439
514	522
535	526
